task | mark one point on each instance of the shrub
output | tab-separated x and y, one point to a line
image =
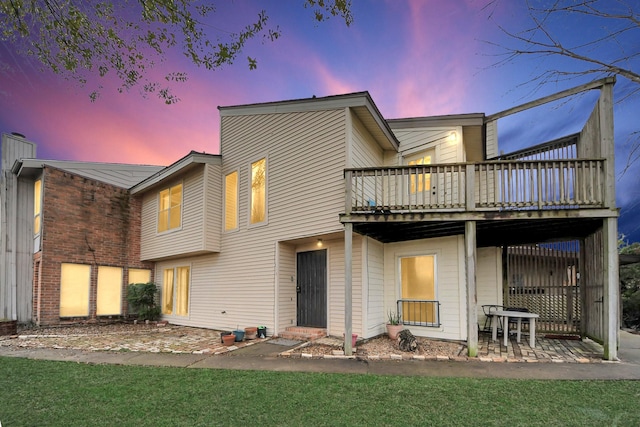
142	297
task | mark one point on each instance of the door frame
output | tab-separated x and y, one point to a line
326	283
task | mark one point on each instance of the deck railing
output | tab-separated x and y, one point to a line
494	185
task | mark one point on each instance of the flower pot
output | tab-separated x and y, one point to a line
239	335
262	331
223	334
228	339
250	333
394	330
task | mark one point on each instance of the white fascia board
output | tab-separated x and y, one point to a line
176	168
471	119
297	105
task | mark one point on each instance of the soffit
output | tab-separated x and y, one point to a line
489	233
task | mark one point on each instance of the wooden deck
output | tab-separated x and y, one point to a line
543	199
488	186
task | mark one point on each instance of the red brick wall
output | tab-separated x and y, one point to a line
84	222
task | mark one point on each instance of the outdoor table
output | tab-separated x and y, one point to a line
505	321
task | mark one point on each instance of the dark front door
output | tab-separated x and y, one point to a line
312	289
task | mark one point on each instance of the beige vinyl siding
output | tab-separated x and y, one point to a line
336	287
201	217
376	316
305	194
447	149
365	151
212	207
492	139
488	279
287	296
305	161
450	289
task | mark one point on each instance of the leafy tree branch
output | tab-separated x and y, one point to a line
81	39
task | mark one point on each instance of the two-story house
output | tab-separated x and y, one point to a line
320	213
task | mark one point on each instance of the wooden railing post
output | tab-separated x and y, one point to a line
470	197
347	191
605	110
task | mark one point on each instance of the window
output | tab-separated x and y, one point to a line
231	201
37	206
420	182
258	191
138	275
175	291
74	290
417	275
109	291
170	208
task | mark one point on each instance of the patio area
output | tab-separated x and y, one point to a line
187	340
556	349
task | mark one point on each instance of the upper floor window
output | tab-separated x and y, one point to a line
37	206
421	181
258	203
231	201
170	208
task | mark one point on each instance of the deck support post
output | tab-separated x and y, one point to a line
348	248
472	299
611	288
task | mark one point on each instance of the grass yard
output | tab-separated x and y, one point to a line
46	393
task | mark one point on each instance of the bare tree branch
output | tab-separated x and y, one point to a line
604	41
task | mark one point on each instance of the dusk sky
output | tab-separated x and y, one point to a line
416	58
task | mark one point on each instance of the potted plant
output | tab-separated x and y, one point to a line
239	335
251	332
228	339
394	325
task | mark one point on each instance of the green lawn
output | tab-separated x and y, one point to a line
45	393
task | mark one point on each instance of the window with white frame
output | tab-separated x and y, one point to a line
421	181
175	290
418	289
170	208
258	202
231	201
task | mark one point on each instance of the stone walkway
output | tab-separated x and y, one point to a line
162	338
187	340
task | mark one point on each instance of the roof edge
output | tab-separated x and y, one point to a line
193	158
470	119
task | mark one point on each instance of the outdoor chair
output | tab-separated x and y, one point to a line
488	311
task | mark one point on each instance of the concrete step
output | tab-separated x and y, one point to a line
303	333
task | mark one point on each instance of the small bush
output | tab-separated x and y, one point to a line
142	297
